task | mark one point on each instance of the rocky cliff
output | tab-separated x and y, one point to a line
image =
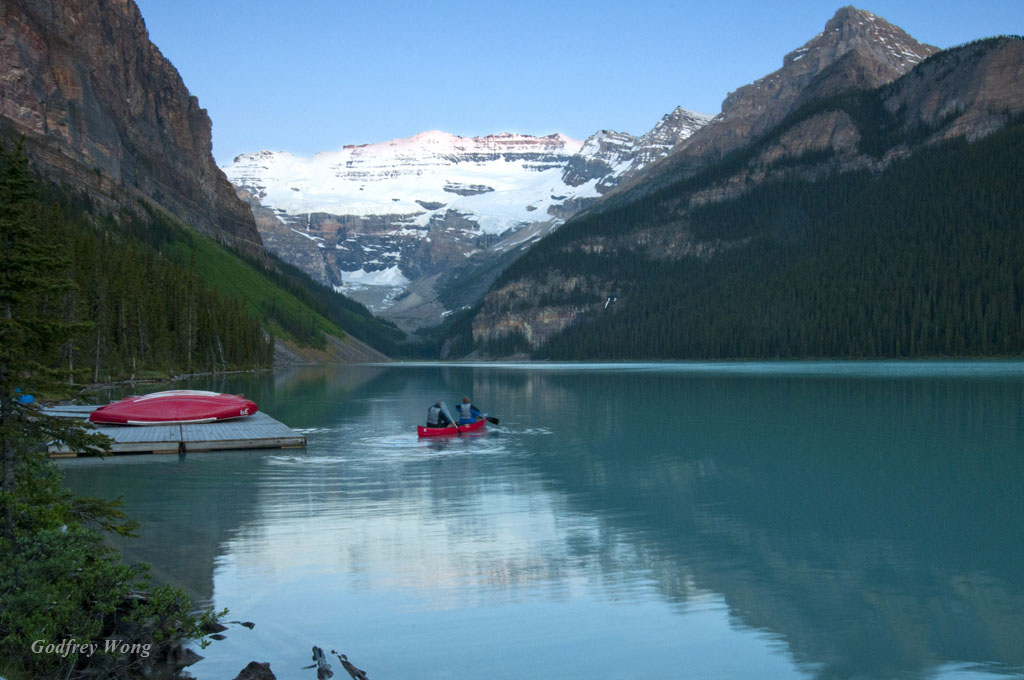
856	49
613	157
969	92
102	109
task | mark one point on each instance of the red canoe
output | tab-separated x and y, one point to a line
450	431
173	407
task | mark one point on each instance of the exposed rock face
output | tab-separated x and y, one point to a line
968	92
873	51
671	131
597	159
533	325
101	108
856	49
612	157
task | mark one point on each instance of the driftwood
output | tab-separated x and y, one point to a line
323	669
356	673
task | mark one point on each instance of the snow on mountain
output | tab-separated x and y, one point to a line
611	156
499	182
851	28
391	214
669	132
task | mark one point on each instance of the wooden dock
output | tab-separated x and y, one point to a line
258	431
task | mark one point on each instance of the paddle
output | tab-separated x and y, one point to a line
491	419
444	410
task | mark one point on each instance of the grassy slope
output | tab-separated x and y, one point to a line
234	276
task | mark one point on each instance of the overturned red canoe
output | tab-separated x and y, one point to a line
174	407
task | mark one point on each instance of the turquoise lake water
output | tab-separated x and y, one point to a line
737	520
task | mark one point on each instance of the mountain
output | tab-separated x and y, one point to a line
816	216
125	151
856	49
102	109
396	223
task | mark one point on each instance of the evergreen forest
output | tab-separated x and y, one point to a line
925	259
150	297
59	580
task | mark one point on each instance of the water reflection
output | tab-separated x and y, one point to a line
876	525
861	525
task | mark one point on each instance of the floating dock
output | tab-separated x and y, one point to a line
258	431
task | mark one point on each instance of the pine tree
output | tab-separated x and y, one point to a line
33	282
43	530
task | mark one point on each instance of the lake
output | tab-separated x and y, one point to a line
714	520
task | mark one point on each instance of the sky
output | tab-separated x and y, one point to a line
314	75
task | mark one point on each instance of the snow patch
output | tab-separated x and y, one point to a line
392	276
311	237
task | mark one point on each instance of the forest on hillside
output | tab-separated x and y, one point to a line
135	309
149	297
925	259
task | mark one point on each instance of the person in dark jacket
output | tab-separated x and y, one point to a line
436	416
467	412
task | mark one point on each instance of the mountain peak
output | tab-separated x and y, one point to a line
681	122
852	29
855	49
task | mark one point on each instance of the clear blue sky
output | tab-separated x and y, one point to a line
314	75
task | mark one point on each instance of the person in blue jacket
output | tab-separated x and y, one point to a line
467	412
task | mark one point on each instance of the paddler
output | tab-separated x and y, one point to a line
436	416
467	412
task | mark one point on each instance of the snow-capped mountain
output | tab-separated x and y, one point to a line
421	178
382	221
610	156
